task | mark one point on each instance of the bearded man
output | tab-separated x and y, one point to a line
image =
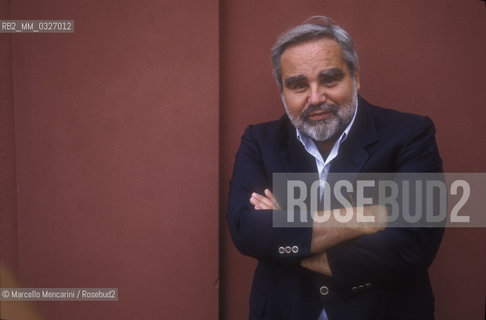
317	272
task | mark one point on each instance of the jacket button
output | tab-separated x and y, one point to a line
354	289
361	287
368	285
295	249
288	249
324	290
281	250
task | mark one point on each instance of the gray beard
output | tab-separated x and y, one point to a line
324	130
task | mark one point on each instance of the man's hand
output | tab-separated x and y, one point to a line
266	202
332	232
329	233
318	263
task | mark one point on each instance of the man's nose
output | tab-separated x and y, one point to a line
317	95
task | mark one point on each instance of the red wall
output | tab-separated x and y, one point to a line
8	200
425	57
117	156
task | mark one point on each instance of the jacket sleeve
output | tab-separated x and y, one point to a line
252	230
394	252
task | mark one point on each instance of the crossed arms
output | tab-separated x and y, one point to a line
350	255
323	236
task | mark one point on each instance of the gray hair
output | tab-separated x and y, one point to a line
314	28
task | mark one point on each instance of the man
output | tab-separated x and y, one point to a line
318	272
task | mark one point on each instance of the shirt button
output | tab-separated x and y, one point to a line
295	249
288	249
324	290
281	250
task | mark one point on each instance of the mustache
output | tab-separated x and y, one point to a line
325	107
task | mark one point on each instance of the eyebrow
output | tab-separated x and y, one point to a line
294	79
333	73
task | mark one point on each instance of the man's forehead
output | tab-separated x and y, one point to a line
314	46
322	53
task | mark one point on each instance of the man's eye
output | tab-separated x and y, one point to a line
300	85
329	82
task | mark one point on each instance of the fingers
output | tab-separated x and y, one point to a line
313	262
270	196
261	202
307	263
317	263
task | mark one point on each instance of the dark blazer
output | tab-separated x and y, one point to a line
379	276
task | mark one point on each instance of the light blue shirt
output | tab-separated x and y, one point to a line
323	166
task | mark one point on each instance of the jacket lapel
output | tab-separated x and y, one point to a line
293	155
353	152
